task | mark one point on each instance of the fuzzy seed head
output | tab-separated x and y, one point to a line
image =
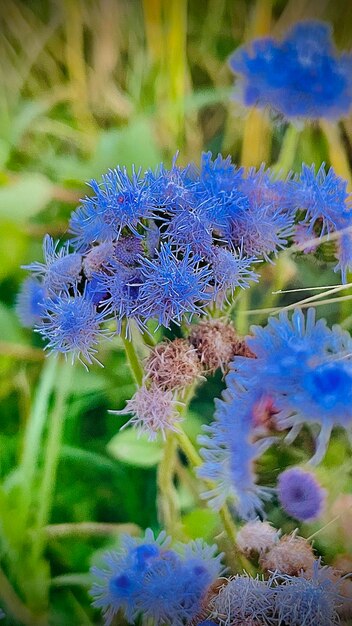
256	537
154	410
290	555
217	343
173	365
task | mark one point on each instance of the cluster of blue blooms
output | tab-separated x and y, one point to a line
165	245
301	374
146	577
300	76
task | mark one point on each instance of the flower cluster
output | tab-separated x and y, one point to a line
302	374
146	577
300	76
163	246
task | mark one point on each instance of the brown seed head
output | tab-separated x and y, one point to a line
217	343
173	365
290	556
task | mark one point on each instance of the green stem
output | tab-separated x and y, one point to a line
168	505
132	358
15	606
34	432
52	452
288	151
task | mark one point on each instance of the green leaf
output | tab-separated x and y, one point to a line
24	197
10	329
201	523
127	447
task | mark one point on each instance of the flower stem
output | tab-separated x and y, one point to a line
167	499
132	359
288	151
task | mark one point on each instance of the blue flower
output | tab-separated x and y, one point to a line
230	270
299	600
175	283
300	76
29	302
328	208
61	268
147	578
307	370
231	446
71	324
120	201
121	288
300	494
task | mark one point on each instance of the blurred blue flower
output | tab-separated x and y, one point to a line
174	283
120	201
60	270
328	209
231	446
301	76
71	324
164	585
307	370
29	302
300	494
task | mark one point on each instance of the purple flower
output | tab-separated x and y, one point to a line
244	600
230	270
300	494
301	76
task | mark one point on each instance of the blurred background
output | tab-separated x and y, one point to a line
86	85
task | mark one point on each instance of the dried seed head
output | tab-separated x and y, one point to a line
154	410
173	365
217	343
256	537
290	556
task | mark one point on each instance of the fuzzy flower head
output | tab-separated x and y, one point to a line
60	270
120	201
71	325
216	343
300	76
173	284
243	600
256	537
29	302
313	601
173	365
146	577
300	494
306	369
328	209
154	410
291	555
